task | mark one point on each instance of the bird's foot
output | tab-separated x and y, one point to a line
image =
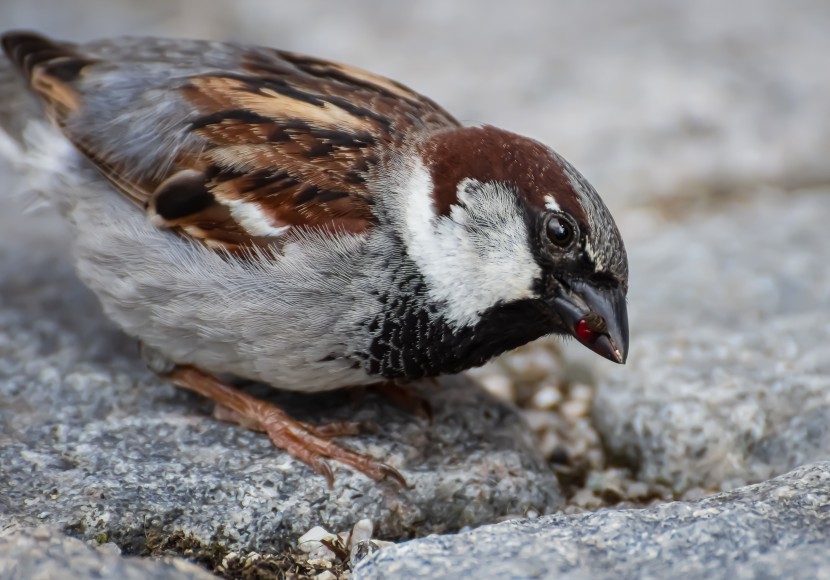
310	444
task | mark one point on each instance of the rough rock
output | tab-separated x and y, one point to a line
728	380
45	555
776	529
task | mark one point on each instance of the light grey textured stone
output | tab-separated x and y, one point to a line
44	555
776	529
728	380
735	264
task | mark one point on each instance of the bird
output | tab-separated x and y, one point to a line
248	213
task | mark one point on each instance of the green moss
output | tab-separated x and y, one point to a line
78	529
187	545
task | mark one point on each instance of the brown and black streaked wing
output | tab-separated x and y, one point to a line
228	144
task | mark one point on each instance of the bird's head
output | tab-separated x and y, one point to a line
493	219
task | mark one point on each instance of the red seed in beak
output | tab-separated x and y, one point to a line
584	332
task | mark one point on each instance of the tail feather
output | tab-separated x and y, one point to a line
49	67
18	106
33	154
29	50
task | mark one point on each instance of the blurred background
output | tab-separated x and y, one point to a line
649	98
704	125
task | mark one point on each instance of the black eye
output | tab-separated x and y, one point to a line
559	231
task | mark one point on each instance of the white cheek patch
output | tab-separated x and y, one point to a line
474	258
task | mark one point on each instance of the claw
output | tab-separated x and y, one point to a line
390	471
324	469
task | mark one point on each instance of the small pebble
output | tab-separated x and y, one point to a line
693	494
322	554
546	398
362	550
310	544
585	498
500	386
110	548
538	420
637	489
581	392
575	408
312	538
549	443
362	531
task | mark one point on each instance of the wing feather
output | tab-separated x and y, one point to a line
228	144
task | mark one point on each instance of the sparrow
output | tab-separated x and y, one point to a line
251	213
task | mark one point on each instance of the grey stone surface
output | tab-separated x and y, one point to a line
44	555
92	443
733	264
728	380
776	529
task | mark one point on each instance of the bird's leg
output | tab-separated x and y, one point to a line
333	429
400	396
307	443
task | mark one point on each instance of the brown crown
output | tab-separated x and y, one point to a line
488	154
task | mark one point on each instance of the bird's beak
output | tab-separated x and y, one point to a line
597	317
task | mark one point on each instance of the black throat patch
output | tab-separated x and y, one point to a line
411	340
